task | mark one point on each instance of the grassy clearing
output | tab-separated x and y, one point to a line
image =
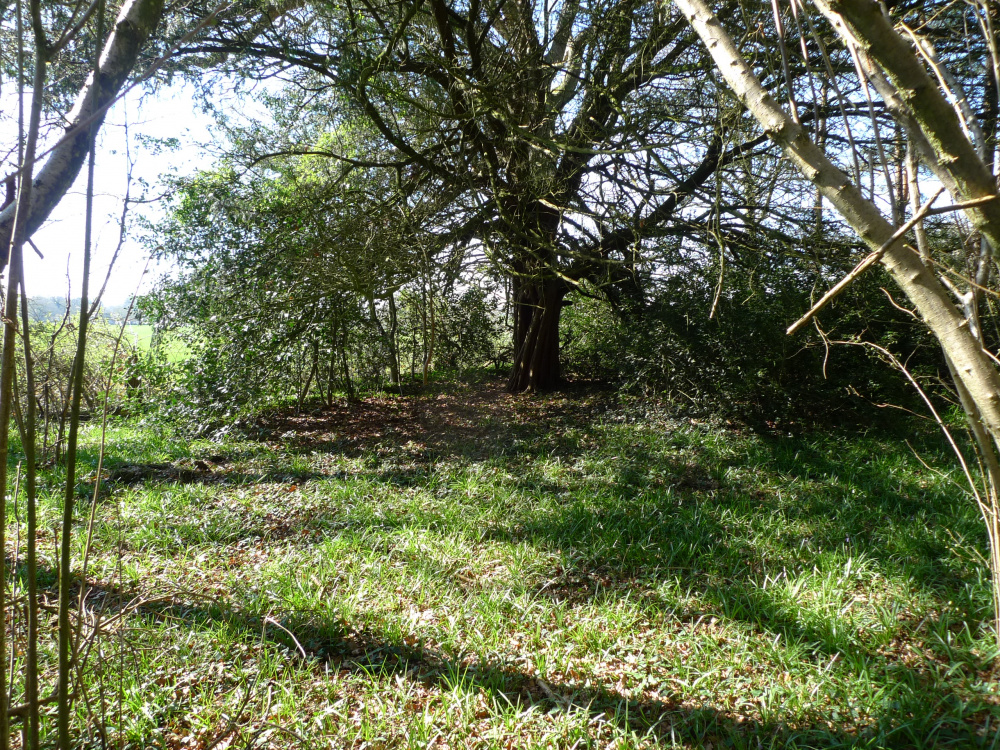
140	338
471	569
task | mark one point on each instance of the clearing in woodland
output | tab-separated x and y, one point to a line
469	568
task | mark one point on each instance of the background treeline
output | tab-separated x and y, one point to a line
55	309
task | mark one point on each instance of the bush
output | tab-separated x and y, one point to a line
739	359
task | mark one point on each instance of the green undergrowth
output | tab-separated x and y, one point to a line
472	569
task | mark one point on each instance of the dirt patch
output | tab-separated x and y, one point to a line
198	471
480	419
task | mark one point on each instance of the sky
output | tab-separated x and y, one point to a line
171	113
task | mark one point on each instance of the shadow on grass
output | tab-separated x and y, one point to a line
680	515
376	655
657	518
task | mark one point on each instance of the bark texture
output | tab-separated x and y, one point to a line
537	308
864	24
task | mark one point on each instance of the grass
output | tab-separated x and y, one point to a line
471	569
138	336
135	338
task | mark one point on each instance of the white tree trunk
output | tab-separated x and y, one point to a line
862	23
136	22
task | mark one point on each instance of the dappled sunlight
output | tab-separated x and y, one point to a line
600	577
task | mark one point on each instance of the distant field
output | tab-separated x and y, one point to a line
138	336
141	337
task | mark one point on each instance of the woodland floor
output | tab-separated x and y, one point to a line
466	568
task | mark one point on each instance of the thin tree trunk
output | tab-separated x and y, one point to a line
423	323
332	375
324	397
394	340
313	369
413	354
66	542
429	360
136	21
7	374
7	368
348	385
31	502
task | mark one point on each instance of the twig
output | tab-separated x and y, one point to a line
283	730
104	433
235	719
22	709
874	257
291	635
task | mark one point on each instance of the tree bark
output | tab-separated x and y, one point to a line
394	342
975	376
863	23
348	383
537	307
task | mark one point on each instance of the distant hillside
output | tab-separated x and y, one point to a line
54	308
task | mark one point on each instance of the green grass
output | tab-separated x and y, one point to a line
521	573
137	337
140	337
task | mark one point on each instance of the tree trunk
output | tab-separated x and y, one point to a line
428	315
423	323
973	370
904	264
348	384
537	307
136	22
394	342
304	393
388	337
332	374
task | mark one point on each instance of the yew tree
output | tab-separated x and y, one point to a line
566	136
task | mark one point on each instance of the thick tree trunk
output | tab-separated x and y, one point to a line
537	307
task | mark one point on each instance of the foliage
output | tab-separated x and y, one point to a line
724	349
106	372
289	282
555	144
471	330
